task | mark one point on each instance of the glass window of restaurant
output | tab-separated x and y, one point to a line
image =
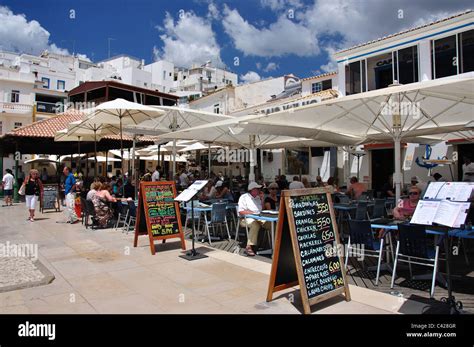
444	57
466	40
297	161
407	71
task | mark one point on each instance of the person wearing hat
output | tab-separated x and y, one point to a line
272	201
251	203
417	182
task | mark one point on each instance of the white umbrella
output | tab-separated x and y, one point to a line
120	112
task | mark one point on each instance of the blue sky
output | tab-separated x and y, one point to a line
269	37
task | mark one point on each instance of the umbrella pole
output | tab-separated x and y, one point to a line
95	153
252	159
398	173
133	166
106	162
121	144
79	155
209	160
174	158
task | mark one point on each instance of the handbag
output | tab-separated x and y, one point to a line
22	189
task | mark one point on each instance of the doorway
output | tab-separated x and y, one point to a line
382	167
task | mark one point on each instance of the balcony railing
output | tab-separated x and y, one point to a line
49	107
13	107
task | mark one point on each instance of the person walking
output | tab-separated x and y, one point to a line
69	192
7	182
33	190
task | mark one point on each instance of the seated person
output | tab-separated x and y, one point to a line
222	191
208	192
250	203
129	190
356	188
272	201
296	184
331	185
95	187
387	190
406	207
102	209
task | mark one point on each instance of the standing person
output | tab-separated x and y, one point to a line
33	189
44	175
156	175
7	182
69	192
468	170
183	180
356	188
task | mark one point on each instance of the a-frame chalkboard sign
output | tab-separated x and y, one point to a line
158	214
307	248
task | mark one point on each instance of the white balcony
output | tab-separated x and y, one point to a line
13	107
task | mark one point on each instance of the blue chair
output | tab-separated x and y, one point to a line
378	212
360	233
412	244
218	219
361	211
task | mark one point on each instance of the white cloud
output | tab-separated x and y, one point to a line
258	65
278	5
271	66
17	34
189	40
213	12
282	37
250	77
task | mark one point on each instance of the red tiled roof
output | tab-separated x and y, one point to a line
406	31
319	76
47	128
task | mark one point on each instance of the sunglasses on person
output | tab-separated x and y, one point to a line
413	193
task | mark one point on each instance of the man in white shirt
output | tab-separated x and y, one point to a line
296	184
468	170
7	182
251	203
183	180
156	175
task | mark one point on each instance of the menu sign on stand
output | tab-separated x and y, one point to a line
158	214
306	248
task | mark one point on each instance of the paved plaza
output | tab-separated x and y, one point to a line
99	271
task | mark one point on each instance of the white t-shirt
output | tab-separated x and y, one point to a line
183	180
156	176
248	203
296	185
468	169
8	179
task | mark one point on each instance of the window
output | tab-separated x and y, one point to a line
445	57
45	82
407	65
380	71
217	108
61	85
316	87
466	42
353	78
15	96
17	125
327	84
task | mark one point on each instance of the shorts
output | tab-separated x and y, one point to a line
31	201
8	192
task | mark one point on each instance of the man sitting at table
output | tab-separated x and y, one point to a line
251	203
356	188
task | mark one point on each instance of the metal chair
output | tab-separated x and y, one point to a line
343	199
218	218
237	224
379	210
132	217
90	212
122	215
412	244
360	233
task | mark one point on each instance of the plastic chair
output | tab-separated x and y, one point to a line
378	210
360	233
218	219
361	211
412	244
132	217
90	212
237	224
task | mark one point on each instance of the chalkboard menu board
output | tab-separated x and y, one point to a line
158	214
50	197
306	248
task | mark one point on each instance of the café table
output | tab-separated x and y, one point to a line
266	217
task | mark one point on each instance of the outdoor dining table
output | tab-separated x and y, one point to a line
266	217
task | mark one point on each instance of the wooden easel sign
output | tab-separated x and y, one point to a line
306	248
158	214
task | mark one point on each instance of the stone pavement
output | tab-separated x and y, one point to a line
99	271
